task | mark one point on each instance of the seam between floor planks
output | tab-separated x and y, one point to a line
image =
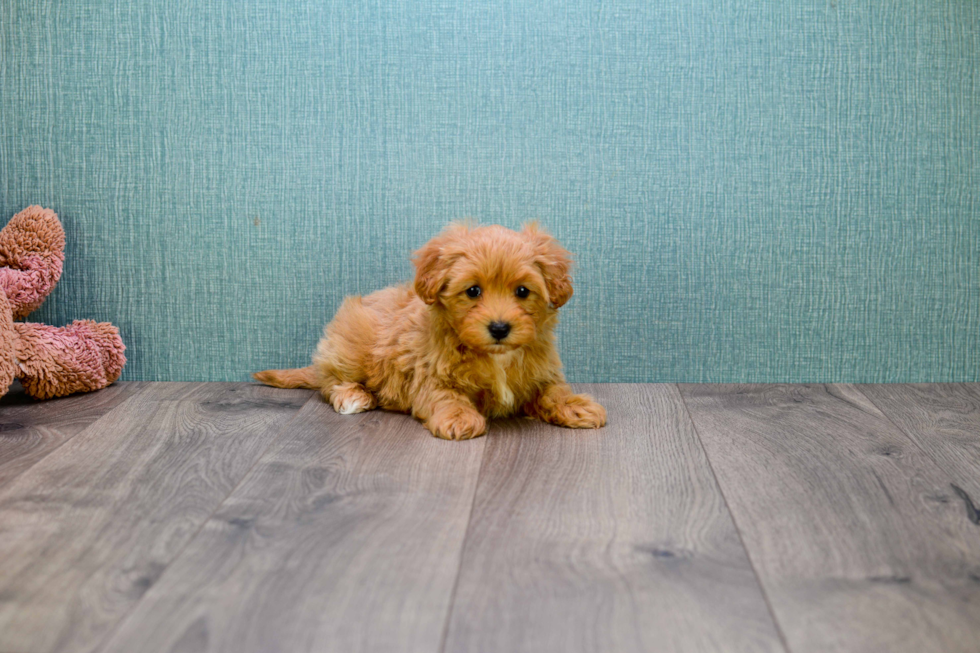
738	528
348	516
913	443
908	563
462	549
944	464
18	402
282	431
73	506
655	572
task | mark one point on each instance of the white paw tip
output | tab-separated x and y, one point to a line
352	406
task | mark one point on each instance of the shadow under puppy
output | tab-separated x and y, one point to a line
472	338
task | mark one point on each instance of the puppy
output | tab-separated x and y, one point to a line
472	338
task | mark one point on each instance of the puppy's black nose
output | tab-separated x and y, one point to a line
499	330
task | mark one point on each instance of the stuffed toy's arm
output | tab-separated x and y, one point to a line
59	361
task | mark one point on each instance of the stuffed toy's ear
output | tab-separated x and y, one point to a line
432	263
32	247
554	261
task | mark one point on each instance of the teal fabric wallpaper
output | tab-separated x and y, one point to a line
763	190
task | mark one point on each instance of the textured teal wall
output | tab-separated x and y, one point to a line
770	191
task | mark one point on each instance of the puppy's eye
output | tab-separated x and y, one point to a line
522	292
473	292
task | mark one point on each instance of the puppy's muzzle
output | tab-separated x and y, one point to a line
499	330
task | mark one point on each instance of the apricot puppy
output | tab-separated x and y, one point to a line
472	338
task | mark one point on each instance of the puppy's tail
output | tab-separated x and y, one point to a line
304	377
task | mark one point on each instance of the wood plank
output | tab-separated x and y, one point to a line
31	429
944	420
608	540
849	524
346	537
86	531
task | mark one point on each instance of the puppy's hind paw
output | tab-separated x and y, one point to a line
351	398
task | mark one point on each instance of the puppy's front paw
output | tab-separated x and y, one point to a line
460	424
579	412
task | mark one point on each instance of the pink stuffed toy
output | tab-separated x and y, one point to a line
49	361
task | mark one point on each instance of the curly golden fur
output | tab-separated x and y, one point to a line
472	338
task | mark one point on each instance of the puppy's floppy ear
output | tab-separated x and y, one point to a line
432	263
554	261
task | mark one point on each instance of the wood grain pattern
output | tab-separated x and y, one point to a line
609	540
86	531
31	429
346	537
944	420
850	526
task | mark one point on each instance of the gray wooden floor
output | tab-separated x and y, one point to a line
238	518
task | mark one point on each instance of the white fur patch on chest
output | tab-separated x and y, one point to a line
502	393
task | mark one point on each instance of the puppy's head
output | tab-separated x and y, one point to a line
498	288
